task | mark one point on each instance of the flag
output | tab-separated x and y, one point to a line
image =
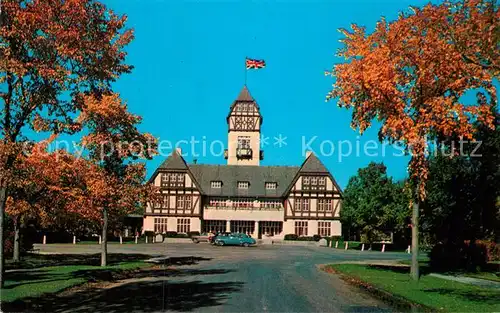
255	64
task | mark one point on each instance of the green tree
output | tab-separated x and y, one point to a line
463	192
374	204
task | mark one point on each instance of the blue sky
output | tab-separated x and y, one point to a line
189	67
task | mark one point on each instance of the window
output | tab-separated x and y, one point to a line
271	204
172	180
245	227
314	183
322	183
184	202
243	185
214	226
271	228
301	204
183	225
216	184
243	142
271	186
324	205
157	202
160	225
301	228
325	229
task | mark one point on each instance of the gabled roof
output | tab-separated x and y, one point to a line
174	162
230	175
313	165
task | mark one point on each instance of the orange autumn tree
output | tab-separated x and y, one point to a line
114	142
50	52
410	76
45	184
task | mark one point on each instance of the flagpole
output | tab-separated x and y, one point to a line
246	70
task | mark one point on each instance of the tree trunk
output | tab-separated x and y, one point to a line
414	241
104	244
17	240
3	199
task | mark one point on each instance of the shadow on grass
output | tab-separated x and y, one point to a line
141	296
42	274
38	261
489	297
424	270
107	300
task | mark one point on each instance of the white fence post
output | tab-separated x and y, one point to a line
100	239
121	240
409	249
74	240
346	245
146	239
44	239
336	244
135	238
383	247
363	247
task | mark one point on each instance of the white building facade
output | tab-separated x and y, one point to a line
243	196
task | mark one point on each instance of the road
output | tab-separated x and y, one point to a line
233	279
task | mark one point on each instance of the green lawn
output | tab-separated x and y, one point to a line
52	279
433	292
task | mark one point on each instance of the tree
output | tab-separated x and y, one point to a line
113	141
463	192
411	77
373	204
50	52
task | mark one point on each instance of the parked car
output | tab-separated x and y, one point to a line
203	237
212	238
234	239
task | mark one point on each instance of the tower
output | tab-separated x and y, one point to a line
244	122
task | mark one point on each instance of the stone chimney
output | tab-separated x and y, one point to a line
179	150
308	153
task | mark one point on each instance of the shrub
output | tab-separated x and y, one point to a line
316	237
306	238
181	235
26	242
193	233
492	250
170	234
149	233
459	256
291	237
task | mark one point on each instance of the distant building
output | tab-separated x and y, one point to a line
242	196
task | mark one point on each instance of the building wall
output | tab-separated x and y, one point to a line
211	213
312	227
233	145
195	222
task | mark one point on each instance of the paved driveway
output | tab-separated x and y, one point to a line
235	279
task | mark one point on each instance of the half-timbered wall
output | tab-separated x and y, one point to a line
313	197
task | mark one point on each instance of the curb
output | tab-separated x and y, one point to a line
398	302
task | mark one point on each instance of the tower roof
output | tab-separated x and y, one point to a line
245	95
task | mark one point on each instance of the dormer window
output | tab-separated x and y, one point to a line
243	185
271	186
216	184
